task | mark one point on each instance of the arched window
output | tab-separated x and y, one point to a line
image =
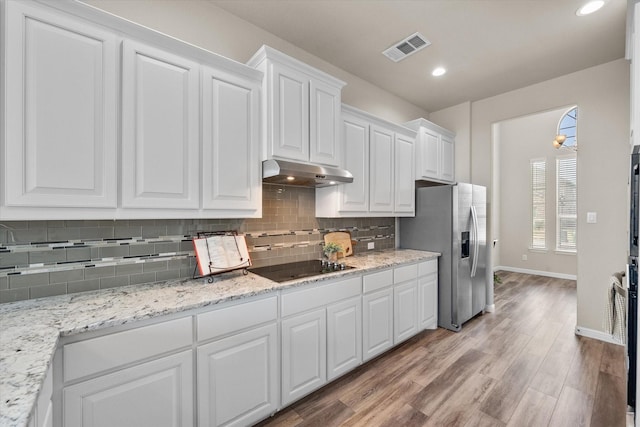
567	133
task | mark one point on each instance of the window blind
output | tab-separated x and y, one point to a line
538	194
567	206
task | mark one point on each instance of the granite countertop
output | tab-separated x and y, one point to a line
29	330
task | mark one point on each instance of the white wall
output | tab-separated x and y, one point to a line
602	94
207	26
519	141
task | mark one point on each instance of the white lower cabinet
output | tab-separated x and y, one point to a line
253	356
320	335
155	394
405	300
238	364
237	378
428	294
344	337
304	354
377	313
377	327
405	318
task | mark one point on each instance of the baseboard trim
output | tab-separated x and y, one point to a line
536	272
597	335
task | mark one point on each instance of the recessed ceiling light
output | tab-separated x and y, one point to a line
437	72
590	7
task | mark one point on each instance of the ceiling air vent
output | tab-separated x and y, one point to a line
406	47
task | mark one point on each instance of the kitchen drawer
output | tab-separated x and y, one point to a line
373	282
241	316
110	351
319	295
404	273
428	267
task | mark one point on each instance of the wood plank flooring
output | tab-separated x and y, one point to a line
520	366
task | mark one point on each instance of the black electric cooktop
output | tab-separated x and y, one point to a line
298	270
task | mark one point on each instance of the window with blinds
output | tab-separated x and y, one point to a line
566	203
538	194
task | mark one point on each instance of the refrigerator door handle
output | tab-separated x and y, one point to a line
476	246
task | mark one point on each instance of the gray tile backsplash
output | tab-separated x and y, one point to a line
44	258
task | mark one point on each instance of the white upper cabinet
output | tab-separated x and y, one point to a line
105	119
447	156
160	108
230	132
404	190
290	114
301	109
324	123
60	113
435	152
354	197
380	156
428	154
381	185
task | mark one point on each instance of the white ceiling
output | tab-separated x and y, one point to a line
488	46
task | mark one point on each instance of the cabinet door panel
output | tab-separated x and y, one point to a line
381	174
61	127
344	337
447	169
304	354
355	140
290	111
155	394
428	301
405	300
238	378
429	154
160	108
324	123
230	165
377	332
404	175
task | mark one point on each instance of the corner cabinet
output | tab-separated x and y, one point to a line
435	152
380	155
105	119
301	109
60	113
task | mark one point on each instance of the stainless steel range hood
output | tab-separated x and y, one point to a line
303	174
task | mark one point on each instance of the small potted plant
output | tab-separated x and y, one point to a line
331	251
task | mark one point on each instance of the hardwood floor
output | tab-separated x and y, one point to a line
520	366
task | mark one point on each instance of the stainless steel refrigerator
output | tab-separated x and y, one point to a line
452	220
